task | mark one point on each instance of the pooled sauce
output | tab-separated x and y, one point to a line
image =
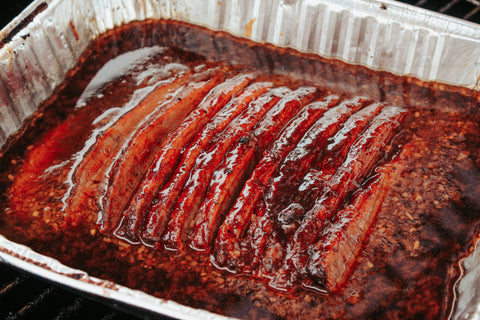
407	265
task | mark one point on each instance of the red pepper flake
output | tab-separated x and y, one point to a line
74	30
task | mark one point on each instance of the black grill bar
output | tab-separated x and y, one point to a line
463	9
31	306
111	315
24	297
472	14
68	311
448	6
9	286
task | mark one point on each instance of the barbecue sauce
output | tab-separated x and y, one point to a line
407	267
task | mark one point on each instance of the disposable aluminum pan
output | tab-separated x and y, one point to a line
45	41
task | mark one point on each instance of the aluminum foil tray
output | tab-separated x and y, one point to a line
45	41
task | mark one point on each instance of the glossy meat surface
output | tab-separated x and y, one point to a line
250	171
215	160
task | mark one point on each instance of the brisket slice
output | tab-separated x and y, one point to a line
268	249
225	254
361	158
333	256
287	210
230	177
334	155
89	170
129	167
160	212
165	161
289	218
195	188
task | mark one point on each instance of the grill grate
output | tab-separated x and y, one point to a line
25	297
463	9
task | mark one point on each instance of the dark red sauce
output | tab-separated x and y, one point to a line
406	269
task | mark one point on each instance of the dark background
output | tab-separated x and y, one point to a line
10	9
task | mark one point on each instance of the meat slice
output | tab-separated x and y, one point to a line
231	230
309	149
56	146
229	178
335	153
166	160
195	188
90	165
332	257
287	178
362	156
284	208
130	166
167	197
